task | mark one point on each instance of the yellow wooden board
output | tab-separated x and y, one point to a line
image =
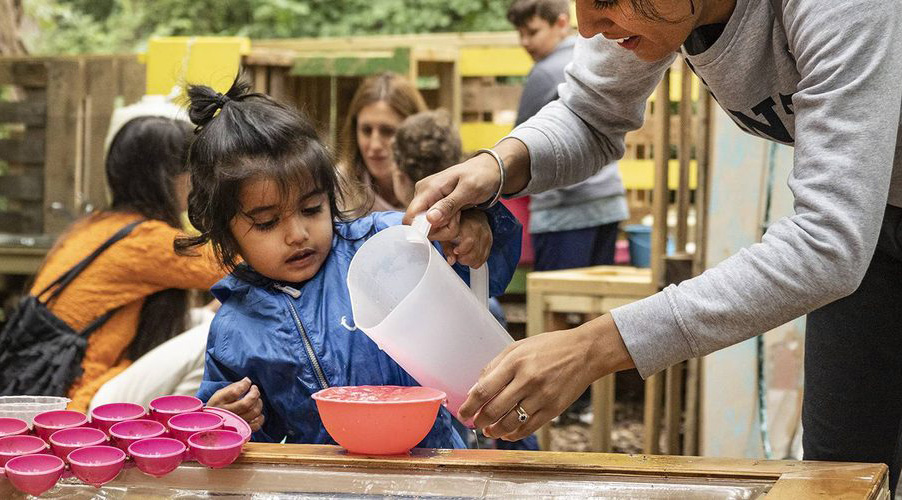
640	174
494	61
212	61
476	135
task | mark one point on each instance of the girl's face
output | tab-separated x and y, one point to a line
376	126
284	242
649	39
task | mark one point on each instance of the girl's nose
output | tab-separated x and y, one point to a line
296	231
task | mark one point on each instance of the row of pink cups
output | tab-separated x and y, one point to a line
86	448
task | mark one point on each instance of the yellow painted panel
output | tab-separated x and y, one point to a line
212	61
494	61
640	174
475	135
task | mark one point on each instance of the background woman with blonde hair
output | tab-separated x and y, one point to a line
378	107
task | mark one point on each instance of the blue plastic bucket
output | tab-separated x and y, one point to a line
639	238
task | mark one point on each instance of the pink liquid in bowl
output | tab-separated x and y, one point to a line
34	474
130	431
16	446
157	456
49	422
65	441
217	448
96	465
105	416
378	420
165	407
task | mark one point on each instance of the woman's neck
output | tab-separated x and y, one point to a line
386	190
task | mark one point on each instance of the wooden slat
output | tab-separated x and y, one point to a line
25	219
27	186
101	91
703	191
65	94
23	151
30	113
132	79
24	73
690	436
602	413
660	194
651	437
685	153
673	407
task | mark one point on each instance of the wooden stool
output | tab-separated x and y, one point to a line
592	292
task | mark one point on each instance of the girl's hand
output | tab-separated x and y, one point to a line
474	240
243	399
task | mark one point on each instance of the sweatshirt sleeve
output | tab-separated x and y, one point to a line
847	119
602	98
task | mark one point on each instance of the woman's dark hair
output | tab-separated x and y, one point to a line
145	158
252	136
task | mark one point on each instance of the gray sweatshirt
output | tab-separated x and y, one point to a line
823	76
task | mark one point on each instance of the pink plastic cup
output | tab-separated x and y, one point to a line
184	425
49	422
16	446
130	431
34	474
157	456
165	407
65	441
104	416
96	465
12	426
217	448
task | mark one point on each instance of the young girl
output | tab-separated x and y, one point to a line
266	190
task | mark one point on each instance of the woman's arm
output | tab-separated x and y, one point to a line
847	122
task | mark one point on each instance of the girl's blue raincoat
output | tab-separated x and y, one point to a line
292	340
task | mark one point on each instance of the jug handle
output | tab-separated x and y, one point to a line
479	278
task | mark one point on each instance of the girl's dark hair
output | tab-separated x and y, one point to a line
241	136
426	143
144	159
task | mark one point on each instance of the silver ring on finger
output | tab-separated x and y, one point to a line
522	416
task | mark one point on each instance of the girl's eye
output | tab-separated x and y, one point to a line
311	211
603	4
387	131
266	226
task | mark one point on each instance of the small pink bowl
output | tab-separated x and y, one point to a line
49	422
130	431
65	441
184	425
34	474
157	456
104	416
216	449
164	407
96	465
12	426
16	446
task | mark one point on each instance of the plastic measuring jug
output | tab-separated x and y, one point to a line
406	297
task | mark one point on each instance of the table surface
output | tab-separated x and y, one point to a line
312	471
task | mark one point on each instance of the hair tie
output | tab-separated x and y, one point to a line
221	100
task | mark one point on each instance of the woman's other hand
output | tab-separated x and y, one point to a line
543	375
243	399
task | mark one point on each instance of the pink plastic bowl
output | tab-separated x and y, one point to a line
157	456
49	422
165	407
16	446
216	449
130	431
105	416
96	465
186	424
12	426
65	441
378	420
34	474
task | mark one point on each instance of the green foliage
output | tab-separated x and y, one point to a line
100	26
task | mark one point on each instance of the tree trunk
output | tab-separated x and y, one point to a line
10	17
